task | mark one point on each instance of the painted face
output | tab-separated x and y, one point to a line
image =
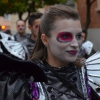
65	40
35	27
21	27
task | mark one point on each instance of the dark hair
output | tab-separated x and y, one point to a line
7	32
47	25
33	17
20	20
84	31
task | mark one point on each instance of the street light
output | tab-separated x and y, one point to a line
3	27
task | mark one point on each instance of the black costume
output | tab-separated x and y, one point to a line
17	76
36	80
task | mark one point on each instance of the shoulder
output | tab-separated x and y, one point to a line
15	35
26	40
21	74
31	68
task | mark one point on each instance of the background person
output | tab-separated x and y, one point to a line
21	34
33	25
57	49
86	49
83	36
55	52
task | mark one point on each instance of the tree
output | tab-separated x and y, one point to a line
22	6
88	15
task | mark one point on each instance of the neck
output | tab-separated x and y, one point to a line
55	63
22	34
33	37
53	60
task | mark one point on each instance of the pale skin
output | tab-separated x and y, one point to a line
58	53
34	29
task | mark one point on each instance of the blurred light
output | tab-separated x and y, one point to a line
3	27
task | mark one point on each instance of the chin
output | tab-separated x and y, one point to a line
21	32
72	59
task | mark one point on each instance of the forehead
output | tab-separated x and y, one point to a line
37	21
67	25
20	23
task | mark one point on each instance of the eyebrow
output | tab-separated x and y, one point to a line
70	32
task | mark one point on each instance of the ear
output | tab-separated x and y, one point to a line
44	39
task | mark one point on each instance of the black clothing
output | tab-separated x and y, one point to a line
56	90
16	77
25	80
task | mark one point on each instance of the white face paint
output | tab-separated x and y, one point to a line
21	27
63	45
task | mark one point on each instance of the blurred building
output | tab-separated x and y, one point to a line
94	28
4	23
8	22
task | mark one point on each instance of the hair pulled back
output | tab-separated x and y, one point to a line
48	19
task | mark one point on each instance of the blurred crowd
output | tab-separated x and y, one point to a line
45	49
26	39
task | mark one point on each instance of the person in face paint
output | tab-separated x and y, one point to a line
56	50
84	36
21	34
86	49
33	25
